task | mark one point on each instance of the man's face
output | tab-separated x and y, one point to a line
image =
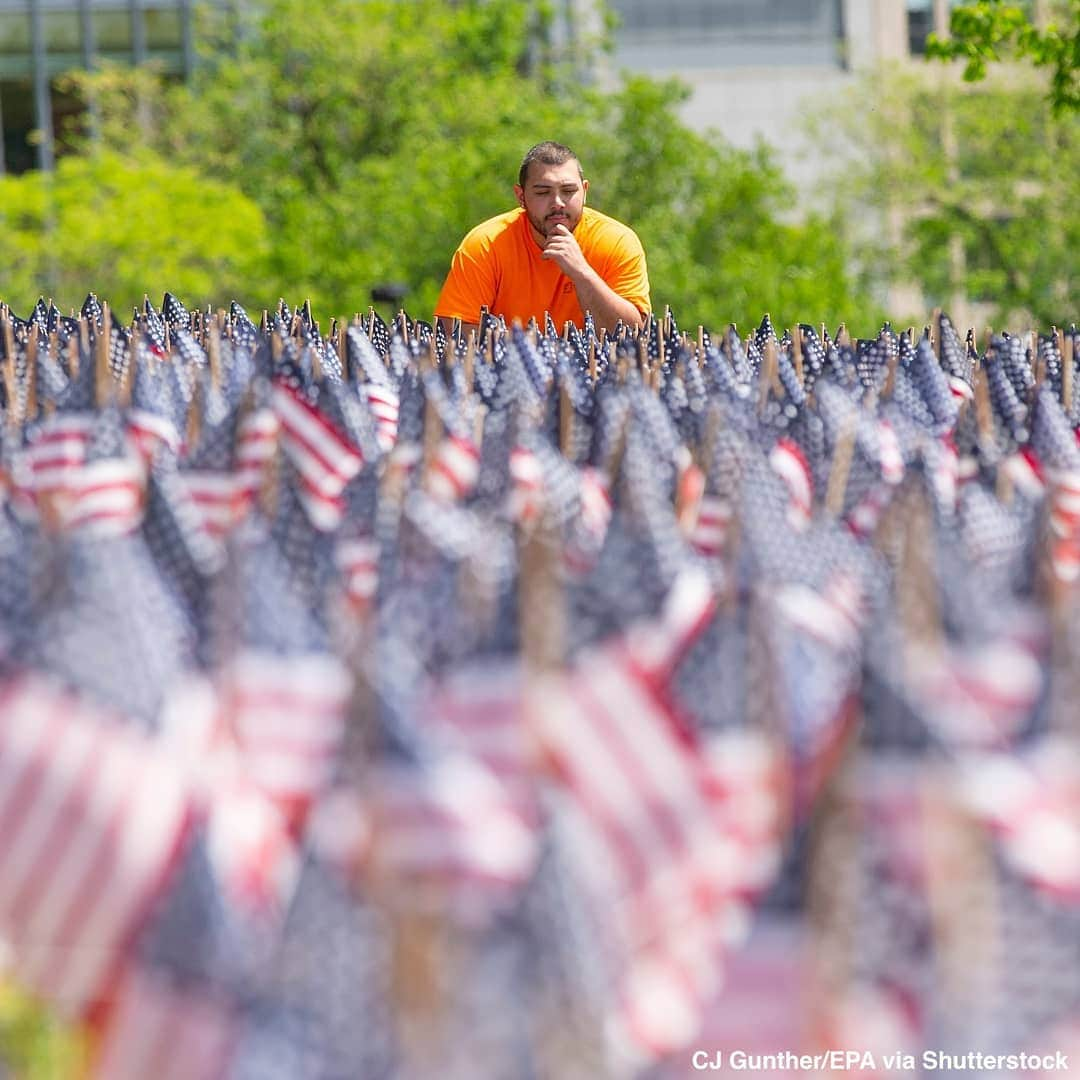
552	195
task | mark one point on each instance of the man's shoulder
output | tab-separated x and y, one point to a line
487	233
605	231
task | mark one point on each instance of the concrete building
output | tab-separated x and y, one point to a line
754	66
40	39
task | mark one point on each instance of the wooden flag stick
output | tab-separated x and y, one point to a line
9	370
213	353
566	421
592	360
1066	348
542	603
31	373
102	374
341	336
478	425
73	356
48	406
769	375
796	353
432	436
470	360
984	413
841	466
194	416
127	380
889	388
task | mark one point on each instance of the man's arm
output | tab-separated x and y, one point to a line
593	293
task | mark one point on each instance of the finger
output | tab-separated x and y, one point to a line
562	229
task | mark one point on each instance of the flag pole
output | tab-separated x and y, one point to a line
31	374
843	453
1066	350
566	421
470	360
102	374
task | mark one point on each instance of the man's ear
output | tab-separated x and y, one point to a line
584	190
519	191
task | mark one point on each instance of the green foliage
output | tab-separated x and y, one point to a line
372	135
122	226
33	1044
985	180
985	32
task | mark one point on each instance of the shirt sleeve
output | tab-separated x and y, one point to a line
471	283
626	273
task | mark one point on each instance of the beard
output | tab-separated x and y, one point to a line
546	227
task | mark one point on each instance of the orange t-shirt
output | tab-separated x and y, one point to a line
498	264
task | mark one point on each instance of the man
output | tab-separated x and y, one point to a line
553	254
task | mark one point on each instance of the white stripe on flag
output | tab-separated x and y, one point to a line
325	460
128	810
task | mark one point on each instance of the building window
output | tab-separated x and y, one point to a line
153	29
735	32
920	15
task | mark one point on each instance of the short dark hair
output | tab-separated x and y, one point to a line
548	153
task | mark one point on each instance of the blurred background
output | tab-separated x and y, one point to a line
793	156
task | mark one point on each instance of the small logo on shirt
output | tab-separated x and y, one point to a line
568	287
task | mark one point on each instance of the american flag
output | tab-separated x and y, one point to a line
359	735
174	313
317	444
647	822
94	819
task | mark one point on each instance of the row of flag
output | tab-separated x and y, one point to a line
390	701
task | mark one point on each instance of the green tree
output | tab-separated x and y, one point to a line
986	32
981	183
125	226
372	134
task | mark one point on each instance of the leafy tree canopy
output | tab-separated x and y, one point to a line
125	226
985	32
982	184
371	135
